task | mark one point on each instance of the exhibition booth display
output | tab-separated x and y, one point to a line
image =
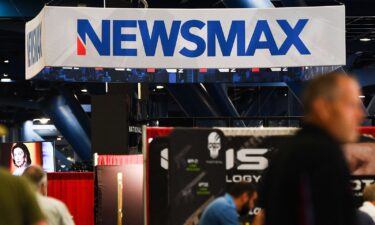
182	169
119	189
190	167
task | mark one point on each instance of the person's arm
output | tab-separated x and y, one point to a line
361	158
259	218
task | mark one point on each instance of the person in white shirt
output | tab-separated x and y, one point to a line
55	210
369	201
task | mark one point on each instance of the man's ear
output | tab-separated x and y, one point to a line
320	105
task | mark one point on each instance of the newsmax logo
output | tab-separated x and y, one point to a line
156	33
34	45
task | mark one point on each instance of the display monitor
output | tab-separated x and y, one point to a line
18	156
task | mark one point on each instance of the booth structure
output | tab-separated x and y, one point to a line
152	193
182	169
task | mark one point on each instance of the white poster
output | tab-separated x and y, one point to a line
185	38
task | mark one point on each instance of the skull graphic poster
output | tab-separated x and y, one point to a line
196	172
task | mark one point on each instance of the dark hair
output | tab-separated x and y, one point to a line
322	86
237	189
34	174
24	149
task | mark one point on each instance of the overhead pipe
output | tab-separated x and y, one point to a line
70	119
248	4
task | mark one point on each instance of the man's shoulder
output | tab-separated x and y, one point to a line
218	211
302	149
219	204
310	141
52	202
219	201
368	208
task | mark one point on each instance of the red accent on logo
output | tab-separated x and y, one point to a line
150	70
255	70
81	50
203	70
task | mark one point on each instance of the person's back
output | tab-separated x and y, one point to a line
220	212
307	181
363	218
18	205
55	211
369	201
226	210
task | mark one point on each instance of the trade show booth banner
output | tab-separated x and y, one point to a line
185	177
189	167
185	38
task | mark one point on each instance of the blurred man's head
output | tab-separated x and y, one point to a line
37	177
332	102
244	195
369	193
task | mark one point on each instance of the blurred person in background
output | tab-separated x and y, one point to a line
361	156
308	180
369	201
363	218
18	204
253	213
56	211
226	210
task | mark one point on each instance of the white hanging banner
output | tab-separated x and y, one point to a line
34	51
185	38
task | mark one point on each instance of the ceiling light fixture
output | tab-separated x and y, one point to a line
6	80
365	39
43	120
